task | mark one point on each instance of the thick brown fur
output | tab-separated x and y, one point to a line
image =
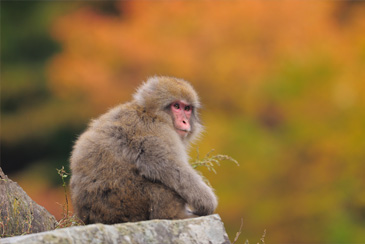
131	164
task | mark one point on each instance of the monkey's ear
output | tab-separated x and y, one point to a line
147	95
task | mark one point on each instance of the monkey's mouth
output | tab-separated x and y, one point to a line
182	132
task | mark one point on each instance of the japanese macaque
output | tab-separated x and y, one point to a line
131	164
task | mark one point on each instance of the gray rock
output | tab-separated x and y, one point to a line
208	229
19	214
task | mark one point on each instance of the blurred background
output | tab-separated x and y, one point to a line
282	83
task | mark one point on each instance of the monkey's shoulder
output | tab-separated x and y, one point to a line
129	114
130	123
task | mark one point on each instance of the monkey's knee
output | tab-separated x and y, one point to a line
170	210
167	204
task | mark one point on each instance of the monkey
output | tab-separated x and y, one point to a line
131	163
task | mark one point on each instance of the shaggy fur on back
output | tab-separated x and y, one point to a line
131	165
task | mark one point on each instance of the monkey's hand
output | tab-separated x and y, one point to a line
201	198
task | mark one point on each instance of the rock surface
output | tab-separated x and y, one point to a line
19	214
208	229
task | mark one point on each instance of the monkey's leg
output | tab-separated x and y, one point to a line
167	204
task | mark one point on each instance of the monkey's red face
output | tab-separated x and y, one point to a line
181	113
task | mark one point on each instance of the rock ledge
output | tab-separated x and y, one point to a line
208	229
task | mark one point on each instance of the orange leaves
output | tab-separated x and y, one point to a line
221	44
280	81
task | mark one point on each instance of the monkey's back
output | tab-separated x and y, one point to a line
106	186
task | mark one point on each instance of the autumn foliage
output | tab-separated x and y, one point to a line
282	84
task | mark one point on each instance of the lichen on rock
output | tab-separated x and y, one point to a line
19	214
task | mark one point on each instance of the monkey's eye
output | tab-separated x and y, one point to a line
187	108
177	106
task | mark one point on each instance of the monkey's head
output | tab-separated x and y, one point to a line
177	98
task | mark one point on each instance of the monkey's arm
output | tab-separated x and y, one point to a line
159	162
